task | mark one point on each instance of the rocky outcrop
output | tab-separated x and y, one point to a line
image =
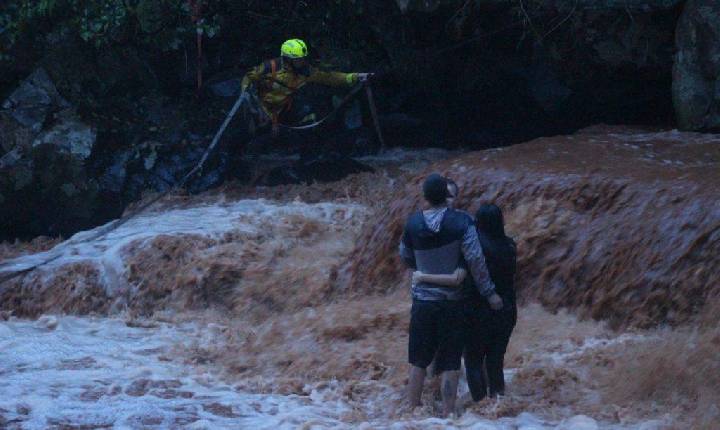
696	74
43	183
26	110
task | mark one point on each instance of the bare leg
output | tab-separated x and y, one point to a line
415	385
449	391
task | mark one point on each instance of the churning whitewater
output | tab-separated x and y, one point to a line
287	307
101	372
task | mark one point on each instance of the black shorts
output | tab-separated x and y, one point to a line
436	332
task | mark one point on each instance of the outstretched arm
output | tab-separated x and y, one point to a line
337	79
453	280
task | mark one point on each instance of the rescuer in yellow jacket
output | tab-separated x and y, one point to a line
275	81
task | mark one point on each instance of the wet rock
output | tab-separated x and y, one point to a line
13	135
26	110
326	167
11	158
34	100
44	187
69	136
158	166
112	179
330	167
696	73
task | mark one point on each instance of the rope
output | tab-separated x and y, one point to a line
125	218
332	113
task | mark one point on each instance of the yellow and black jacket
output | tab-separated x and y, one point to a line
276	84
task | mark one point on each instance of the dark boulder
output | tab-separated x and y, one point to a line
44	188
327	167
696	74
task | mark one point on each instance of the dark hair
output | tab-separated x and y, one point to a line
452	184
435	189
489	220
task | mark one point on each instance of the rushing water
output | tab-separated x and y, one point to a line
102	373
281	261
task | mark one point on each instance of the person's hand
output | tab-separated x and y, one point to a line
364	77
496	302
417	277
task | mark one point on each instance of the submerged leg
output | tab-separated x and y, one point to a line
496	377
496	353
475	373
449	391
415	385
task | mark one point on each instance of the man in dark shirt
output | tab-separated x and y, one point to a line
437	241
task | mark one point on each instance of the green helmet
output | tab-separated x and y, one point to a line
294	48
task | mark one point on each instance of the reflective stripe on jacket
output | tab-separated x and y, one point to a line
276	89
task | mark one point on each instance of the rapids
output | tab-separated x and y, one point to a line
622	224
81	372
286	307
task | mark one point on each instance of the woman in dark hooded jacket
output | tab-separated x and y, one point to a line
489	330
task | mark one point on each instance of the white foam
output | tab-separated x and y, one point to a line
213	220
88	370
668	135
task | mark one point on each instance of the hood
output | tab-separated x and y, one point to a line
434	218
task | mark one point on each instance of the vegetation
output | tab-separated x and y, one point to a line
164	23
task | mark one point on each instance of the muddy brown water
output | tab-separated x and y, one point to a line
618	224
622	224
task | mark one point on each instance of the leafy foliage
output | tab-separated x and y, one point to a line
159	23
256	27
